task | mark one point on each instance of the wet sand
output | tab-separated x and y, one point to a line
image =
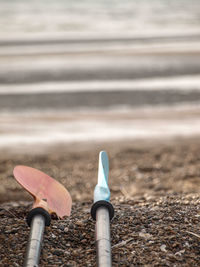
37	131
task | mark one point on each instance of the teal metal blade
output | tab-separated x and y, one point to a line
102	191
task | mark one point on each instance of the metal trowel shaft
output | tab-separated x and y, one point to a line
35	241
103	237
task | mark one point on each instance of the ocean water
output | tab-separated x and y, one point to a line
86	70
100	16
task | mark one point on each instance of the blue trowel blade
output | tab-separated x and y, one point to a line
102	191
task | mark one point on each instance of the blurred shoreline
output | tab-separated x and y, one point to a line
35	131
89	71
46	100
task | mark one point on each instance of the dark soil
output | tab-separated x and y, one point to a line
155	192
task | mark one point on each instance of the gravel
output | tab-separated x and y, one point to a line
147	231
155	193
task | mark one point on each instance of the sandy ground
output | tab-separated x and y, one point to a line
154	189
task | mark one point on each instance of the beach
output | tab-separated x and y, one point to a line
80	77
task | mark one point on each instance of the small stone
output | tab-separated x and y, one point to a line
61	227
163	248
53	236
15	264
66	230
186	244
71	226
179	253
58	252
75	253
145	235
67	253
79	223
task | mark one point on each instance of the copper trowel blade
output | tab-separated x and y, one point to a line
43	187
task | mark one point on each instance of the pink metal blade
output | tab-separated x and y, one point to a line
43	187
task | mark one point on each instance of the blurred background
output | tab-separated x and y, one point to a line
98	70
